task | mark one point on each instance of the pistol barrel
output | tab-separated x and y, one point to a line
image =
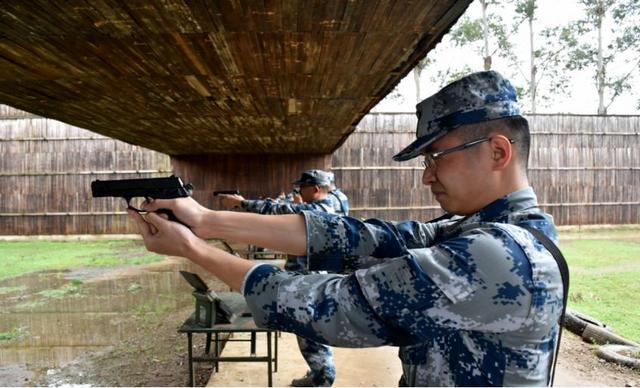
157	188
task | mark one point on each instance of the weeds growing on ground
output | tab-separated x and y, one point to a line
16	334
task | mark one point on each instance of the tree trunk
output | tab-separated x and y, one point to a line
533	83
485	24
600	72
416	79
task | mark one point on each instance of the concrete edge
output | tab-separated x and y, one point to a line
591	228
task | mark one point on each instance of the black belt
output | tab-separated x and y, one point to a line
564	273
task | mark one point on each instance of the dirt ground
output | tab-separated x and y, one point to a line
156	356
579	366
376	367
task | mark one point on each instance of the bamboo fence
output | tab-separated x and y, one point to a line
46	171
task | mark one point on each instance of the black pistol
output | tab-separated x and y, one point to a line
156	188
230	192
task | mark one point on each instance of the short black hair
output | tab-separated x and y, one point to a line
514	127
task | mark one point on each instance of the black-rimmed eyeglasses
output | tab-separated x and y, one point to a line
430	159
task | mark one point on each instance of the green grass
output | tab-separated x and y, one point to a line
74	287
15	334
605	281
154	308
151	312
21	257
13	290
30	305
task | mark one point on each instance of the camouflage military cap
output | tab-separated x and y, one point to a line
476	98
314	177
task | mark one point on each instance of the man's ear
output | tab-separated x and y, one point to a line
501	152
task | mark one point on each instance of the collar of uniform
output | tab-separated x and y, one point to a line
325	200
513	202
497	211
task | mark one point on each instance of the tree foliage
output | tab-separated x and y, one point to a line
592	48
547	52
472	33
555	52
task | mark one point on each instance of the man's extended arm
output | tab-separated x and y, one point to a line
291	233
271	207
268	206
338	243
171	238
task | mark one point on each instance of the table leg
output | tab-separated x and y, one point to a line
253	344
207	347
275	337
270	359
192	379
216	352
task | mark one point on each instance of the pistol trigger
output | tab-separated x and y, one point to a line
130	206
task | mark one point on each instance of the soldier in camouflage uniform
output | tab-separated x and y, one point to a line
317	196
471	299
340	200
314	187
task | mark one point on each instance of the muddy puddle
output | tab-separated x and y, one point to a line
48	319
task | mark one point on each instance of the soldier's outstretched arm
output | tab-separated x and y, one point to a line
337	243
271	207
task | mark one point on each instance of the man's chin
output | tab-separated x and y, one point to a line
446	205
451	209
443	203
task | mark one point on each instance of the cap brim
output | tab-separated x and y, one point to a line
416	148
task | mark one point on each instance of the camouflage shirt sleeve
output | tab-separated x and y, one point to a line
340	243
272	207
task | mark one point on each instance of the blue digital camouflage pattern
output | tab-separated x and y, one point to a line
476	98
269	206
326	205
314	177
318	356
340	201
470	301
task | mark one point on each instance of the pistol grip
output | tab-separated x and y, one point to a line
172	217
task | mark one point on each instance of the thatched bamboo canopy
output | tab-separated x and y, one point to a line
214	77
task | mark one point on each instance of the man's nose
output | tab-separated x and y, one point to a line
429	176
